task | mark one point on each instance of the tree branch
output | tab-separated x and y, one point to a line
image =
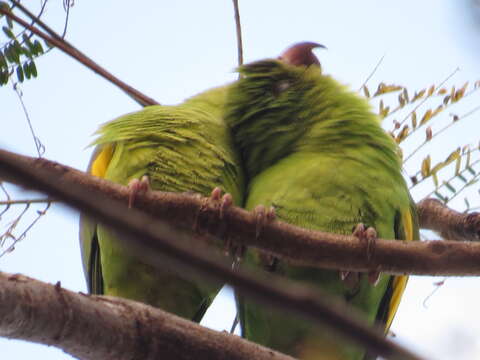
56	40
102	327
450	224
153	240
288	242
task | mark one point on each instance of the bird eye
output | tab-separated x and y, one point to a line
281	86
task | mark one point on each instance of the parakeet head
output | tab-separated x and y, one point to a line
285	105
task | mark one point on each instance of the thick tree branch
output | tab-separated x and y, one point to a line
290	243
449	223
56	40
102	327
152	240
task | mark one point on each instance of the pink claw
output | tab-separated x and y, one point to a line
136	187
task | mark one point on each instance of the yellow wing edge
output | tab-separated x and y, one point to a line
400	282
101	162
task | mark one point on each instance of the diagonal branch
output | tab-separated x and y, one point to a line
108	328
56	40
290	243
153	240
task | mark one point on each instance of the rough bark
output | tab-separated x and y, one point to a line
101	327
290	243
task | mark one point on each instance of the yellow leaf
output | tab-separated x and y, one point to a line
414	119
385	112
437	110
366	92
435	179
405	94
384	89
427	116
453	156
431	90
457	165
426	167
452	92
428	133
460	92
403	134
437	167
442	91
419	95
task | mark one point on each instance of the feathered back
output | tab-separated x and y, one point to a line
185	147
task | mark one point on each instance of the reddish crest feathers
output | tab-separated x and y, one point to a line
301	54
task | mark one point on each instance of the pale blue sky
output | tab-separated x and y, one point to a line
172	50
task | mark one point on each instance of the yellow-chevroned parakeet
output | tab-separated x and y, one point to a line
315	152
183	148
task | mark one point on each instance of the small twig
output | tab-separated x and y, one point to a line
57	41
38	144
66	7
446	127
8	199
27	201
437	284
419	172
16	239
238	28
372	73
234	324
426	98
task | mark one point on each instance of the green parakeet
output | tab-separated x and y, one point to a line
183	148
315	152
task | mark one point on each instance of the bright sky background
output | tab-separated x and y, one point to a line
171	50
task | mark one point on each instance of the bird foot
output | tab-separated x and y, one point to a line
136	187
367	236
221	204
262	217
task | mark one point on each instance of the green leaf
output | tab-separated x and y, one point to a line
463	178
9	54
441	197
3	77
26	70
38	48
435	179
33	69
20	74
3	61
449	187
8	32
425	170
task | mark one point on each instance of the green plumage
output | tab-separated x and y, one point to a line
315	152
180	148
